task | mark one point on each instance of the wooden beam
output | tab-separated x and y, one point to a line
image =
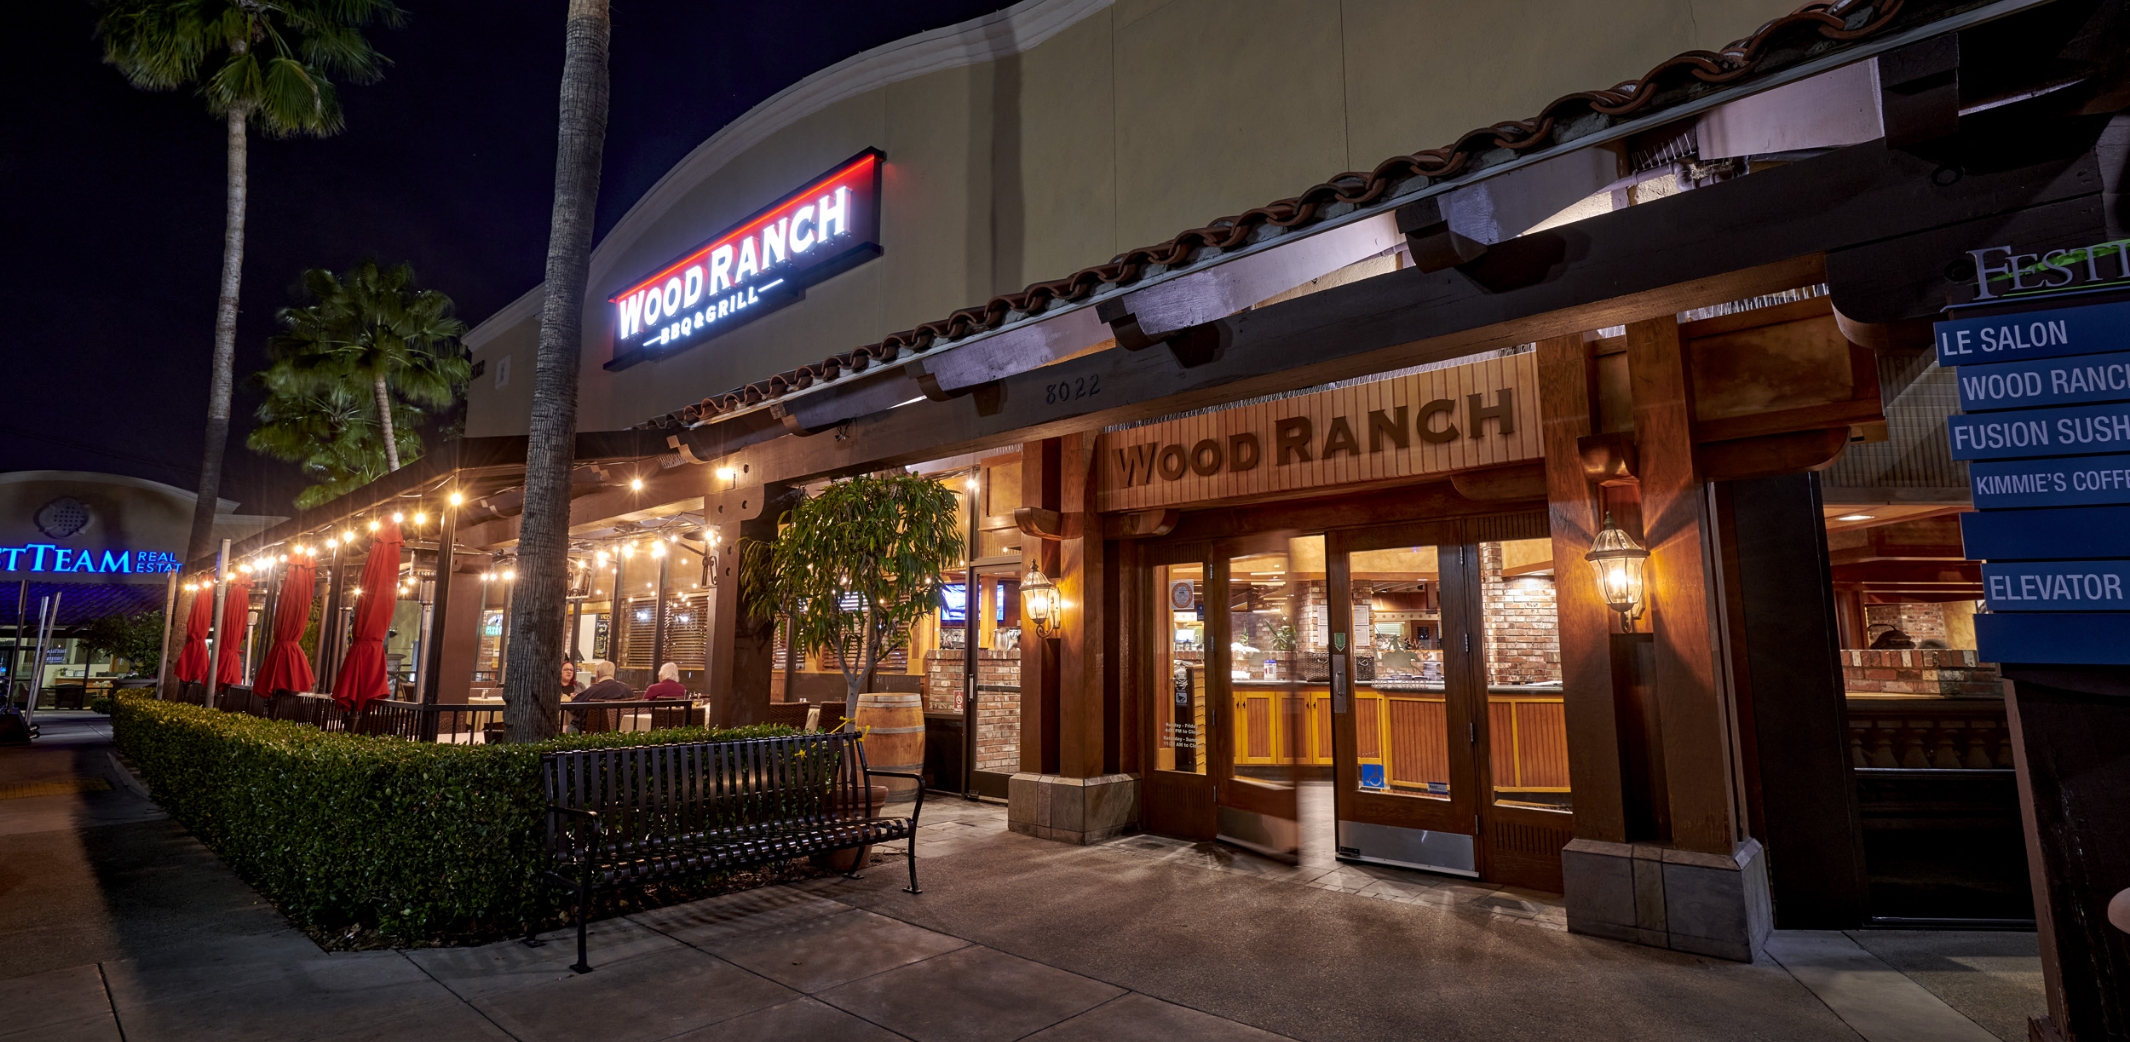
1770	455
1585	623
1140	524
1691	691
1741	238
1039	522
1522	481
1082	651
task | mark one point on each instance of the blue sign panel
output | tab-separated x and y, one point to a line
2066	381
2078	430
2047	535
2092	480
2056	586
2035	334
2065	638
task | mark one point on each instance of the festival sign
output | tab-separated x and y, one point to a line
754	267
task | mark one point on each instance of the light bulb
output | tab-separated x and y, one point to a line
724	473
375	525
284	557
635	484
457	499
510	575
397	518
420	518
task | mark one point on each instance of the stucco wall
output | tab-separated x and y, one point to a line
121	515
1081	129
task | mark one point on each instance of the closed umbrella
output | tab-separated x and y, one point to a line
362	677
236	617
286	667
192	661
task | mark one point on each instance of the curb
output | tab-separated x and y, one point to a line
123	771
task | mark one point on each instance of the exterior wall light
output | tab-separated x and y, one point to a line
1040	604
1619	561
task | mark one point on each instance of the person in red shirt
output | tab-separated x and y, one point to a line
668	685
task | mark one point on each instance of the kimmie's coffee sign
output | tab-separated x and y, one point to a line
754	267
1464	417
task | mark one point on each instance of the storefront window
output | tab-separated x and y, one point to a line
1279	657
1401	720
1179	718
1526	716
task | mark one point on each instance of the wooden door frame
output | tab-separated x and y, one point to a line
1182	800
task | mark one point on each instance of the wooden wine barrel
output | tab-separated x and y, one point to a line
893	725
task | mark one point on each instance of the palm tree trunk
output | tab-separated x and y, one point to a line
532	684
221	378
384	423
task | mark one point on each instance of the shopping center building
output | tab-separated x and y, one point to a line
1319	474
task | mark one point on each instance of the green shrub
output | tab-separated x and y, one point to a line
412	839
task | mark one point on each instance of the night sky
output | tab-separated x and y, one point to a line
111	198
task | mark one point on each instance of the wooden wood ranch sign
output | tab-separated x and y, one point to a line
1465	417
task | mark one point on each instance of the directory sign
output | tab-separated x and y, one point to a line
2047	429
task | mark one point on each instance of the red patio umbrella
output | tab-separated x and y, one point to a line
236	618
192	661
362	677
286	667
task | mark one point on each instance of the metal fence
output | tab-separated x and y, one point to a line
459	723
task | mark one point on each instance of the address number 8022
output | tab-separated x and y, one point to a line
1072	390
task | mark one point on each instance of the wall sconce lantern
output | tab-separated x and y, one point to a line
1618	561
1040	605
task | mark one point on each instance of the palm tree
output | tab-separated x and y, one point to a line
254	61
530	689
374	327
329	432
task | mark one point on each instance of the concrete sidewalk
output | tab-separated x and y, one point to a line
117	925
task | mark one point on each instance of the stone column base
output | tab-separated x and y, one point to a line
1707	904
1073	810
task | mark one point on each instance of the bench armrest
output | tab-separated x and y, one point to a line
918	778
598	825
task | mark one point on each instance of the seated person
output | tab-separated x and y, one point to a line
668	685
604	689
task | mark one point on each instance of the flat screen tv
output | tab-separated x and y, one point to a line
954	604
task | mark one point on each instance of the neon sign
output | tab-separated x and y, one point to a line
51	558
755	267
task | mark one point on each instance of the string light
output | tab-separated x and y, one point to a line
658	549
420	518
635	484
396	519
457	499
375	524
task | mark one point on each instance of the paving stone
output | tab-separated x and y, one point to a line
801	1020
818	954
318	998
971	995
637	999
703	923
52	999
504	966
1139	1018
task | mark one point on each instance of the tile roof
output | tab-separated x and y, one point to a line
1823	20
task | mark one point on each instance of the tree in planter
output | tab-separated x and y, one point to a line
860	563
136	639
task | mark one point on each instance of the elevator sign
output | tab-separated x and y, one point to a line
755	267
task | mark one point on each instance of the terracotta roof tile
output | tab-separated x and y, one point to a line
1826	20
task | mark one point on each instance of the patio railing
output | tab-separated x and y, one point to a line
462	723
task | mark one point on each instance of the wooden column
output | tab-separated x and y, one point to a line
738	652
1041	753
1082	706
1692	696
1586	624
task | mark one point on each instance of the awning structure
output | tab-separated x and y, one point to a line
1798	86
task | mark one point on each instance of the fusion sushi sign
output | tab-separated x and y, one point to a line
755	267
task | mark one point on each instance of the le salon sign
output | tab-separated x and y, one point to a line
754	267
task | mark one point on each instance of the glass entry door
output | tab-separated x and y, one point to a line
1271	675
1403	715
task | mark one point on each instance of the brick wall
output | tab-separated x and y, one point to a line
1951	673
998	702
1920	621
1522	623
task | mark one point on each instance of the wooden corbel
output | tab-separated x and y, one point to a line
1608	459
1425	224
1140	524
1040	523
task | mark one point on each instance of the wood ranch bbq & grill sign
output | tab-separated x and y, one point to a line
1464	417
755	267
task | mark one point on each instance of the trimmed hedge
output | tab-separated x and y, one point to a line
412	839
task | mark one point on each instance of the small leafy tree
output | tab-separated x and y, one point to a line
860	563
137	639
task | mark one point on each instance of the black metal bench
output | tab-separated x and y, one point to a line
633	815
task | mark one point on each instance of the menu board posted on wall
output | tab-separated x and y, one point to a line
2047	434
